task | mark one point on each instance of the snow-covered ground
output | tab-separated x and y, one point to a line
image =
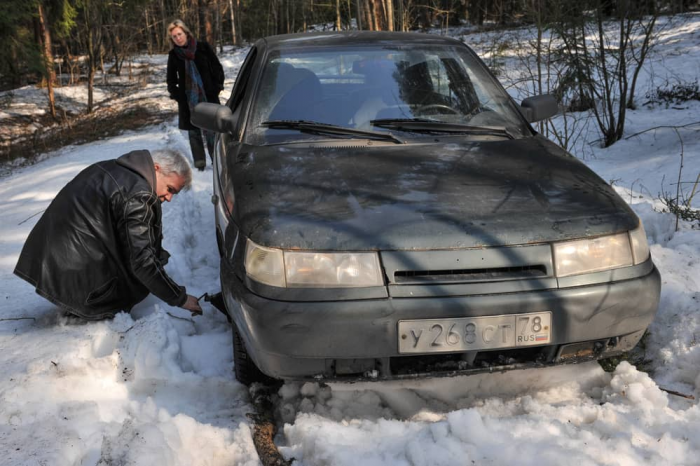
21	109
156	387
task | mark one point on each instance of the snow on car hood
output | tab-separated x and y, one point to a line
420	196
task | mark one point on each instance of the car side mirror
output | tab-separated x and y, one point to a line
539	107
213	117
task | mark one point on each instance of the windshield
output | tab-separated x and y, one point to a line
364	87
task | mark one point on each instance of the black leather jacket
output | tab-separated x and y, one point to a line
97	248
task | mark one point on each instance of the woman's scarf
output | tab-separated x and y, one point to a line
194	87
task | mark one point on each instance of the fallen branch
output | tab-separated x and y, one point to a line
682	395
662	126
265	429
19	318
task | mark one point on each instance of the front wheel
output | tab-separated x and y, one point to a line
244	368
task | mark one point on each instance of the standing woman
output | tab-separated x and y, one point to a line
194	75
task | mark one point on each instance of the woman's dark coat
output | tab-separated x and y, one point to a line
97	249
210	70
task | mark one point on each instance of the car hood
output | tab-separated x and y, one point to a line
420	196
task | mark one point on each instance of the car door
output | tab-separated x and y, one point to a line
228	145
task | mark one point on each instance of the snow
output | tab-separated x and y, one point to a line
156	386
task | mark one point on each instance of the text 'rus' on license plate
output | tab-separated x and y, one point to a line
474	333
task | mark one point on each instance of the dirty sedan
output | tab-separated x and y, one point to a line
385	210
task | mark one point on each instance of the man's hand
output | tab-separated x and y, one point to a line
192	305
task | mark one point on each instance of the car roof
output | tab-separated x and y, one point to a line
334	38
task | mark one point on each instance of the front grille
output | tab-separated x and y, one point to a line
470	275
492	359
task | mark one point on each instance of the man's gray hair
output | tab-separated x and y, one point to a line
170	162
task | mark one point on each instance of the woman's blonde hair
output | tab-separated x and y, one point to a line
178	24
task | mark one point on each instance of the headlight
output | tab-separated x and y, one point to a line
640	247
264	265
592	255
332	270
312	269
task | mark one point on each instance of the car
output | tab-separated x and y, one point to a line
385	210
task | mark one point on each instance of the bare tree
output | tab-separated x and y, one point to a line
44	39
606	57
543	69
91	12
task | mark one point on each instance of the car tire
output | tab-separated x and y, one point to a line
244	368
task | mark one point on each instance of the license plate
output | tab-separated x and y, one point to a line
474	333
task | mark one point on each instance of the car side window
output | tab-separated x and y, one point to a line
242	81
234	103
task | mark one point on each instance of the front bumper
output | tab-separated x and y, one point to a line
355	339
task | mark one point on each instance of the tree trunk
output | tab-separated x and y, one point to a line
208	27
358	8
117	52
91	86
369	17
45	42
288	21
648	34
294	16
149	40
91	70
337	15
102	66
303	15
234	38
402	20
160	36
239	27
389	14
196	5
70	63
269	16
217	16
376	13
15	76
93	39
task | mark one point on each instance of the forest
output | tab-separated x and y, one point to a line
43	37
576	54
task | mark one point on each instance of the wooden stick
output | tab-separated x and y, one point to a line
682	395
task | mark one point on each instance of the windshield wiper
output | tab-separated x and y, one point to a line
325	128
421	125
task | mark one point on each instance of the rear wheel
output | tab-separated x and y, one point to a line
244	368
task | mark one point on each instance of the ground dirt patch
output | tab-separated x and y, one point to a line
103	123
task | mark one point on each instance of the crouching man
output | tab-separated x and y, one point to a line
97	249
